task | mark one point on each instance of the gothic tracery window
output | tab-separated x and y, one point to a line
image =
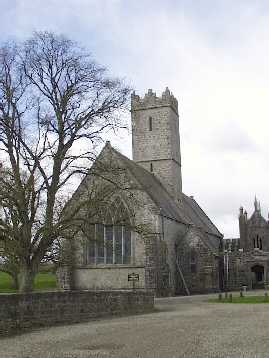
257	242
110	241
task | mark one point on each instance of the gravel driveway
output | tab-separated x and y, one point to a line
182	327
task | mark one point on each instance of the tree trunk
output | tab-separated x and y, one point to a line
26	279
15	283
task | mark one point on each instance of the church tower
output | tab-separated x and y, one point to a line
155	137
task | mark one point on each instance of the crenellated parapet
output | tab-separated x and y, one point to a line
150	100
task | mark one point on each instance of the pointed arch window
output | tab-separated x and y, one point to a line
110	242
257	242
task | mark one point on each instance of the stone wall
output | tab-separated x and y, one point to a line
172	230
238	268
235	273
19	312
199	265
107	277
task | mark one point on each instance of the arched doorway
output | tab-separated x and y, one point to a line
257	276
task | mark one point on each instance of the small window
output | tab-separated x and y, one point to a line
193	268
150	123
193	261
151	167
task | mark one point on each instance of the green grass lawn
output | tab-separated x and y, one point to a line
246	299
43	281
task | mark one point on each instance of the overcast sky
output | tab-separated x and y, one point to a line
214	57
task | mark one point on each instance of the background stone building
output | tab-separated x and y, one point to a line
152	228
246	259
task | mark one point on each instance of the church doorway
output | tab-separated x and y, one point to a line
257	276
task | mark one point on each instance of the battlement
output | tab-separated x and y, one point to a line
150	100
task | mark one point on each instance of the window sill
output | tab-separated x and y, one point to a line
109	266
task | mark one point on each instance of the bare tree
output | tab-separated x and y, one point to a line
8	248
54	101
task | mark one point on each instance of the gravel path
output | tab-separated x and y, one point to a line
182	327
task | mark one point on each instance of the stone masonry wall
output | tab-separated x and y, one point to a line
158	146
19	312
107	277
237	268
235	275
201	272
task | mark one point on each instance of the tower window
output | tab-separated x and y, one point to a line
151	167
257	242
150	123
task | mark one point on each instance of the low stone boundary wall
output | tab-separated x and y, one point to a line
19	312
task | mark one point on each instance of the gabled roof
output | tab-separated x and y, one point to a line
190	213
197	216
154	188
257	219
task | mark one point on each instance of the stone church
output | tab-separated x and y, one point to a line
152	229
246	259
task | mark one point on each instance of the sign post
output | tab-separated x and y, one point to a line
133	277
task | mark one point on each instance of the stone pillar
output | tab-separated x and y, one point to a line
65	278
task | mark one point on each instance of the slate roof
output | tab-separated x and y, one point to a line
257	219
190	213
198	216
